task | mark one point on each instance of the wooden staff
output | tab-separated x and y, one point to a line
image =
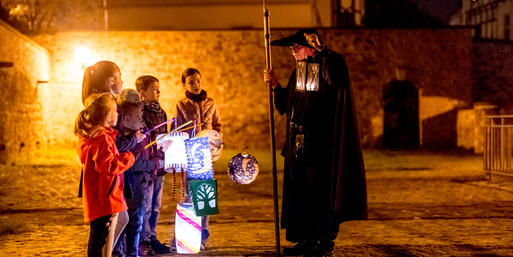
268	66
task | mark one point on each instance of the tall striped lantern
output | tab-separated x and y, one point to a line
187	229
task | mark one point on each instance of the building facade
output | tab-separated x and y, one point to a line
228	14
491	18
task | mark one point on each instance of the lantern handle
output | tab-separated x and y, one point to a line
244	152
174	130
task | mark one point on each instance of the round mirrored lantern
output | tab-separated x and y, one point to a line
216	142
243	168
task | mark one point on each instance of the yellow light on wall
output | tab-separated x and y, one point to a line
85	57
19	10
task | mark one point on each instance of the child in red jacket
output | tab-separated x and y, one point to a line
103	168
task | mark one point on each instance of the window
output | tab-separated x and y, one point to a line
506	27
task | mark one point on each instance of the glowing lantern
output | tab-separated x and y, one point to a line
175	158
243	168
307	76
204	196
173	146
216	142
187	229
199	158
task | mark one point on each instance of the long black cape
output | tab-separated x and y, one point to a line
328	186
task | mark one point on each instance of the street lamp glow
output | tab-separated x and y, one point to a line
84	56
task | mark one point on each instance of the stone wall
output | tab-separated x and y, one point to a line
25	69
492	74
470	124
438	62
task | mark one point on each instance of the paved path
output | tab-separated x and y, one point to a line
411	213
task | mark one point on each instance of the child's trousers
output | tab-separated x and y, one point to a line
101	236
128	241
121	223
152	209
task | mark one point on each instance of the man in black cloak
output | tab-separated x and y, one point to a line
324	176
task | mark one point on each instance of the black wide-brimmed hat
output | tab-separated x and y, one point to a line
298	38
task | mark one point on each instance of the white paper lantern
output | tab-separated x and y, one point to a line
173	146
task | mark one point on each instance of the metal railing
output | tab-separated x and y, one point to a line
498	145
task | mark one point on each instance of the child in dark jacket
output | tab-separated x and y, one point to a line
139	177
103	167
128	143
153	115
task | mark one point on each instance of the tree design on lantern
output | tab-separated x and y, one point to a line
206	194
243	168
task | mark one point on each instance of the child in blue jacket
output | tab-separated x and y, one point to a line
138	178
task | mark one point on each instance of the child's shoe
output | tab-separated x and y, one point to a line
172	247
158	247
145	249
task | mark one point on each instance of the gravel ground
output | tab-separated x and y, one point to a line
449	210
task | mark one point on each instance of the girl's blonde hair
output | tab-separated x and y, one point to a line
94	114
95	78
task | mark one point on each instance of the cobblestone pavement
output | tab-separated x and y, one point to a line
411	213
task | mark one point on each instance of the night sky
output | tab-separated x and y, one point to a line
441	9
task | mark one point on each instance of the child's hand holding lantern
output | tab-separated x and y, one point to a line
159	155
165	145
140	136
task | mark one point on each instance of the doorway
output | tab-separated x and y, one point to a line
401	121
